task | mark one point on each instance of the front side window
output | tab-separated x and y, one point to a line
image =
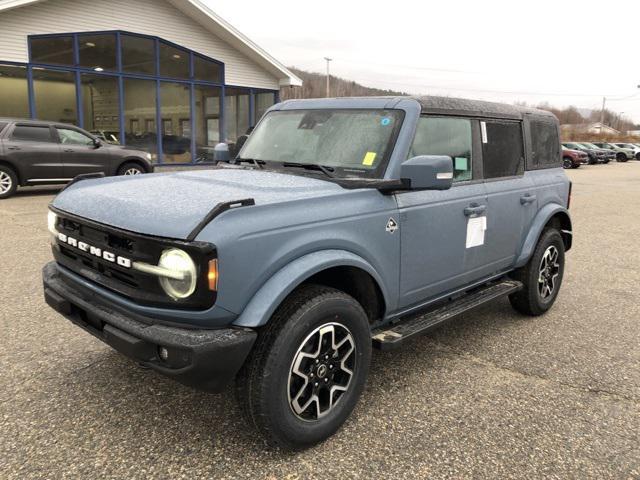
31	133
502	149
446	136
68	136
352	142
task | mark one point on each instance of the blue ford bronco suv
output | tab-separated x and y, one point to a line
342	224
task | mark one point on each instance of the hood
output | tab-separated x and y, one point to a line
173	204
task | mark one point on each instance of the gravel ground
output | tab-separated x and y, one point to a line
491	395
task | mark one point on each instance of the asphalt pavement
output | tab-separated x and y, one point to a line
491	395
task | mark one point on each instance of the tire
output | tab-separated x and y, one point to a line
131	168
621	157
638	156
8	182
268	387
535	298
567	163
576	165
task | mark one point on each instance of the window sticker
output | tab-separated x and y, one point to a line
483	129
461	163
385	121
369	158
476	228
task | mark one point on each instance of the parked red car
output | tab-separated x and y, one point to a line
573	158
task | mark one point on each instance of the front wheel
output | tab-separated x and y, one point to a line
307	369
621	157
131	168
541	277
8	182
567	163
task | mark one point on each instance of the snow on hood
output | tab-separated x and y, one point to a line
172	204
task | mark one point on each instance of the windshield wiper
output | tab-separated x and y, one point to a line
257	163
328	171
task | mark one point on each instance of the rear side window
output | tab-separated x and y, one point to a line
446	136
31	133
502	149
545	144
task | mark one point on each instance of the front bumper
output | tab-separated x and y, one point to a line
204	359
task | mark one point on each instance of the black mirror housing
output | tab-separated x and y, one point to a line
428	172
97	142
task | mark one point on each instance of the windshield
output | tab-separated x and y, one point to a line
349	142
591	145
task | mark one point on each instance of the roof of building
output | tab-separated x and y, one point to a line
202	14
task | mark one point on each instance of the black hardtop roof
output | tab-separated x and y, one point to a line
433	104
428	104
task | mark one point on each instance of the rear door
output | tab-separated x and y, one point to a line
79	153
33	149
436	256
512	199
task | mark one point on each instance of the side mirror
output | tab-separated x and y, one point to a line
97	142
221	153
428	172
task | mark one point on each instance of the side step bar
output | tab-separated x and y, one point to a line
392	337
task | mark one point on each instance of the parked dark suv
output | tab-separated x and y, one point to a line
33	152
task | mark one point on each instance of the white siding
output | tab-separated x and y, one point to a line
151	17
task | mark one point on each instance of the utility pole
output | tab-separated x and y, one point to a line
604	100
328	86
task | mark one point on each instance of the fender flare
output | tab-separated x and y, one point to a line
535	230
265	301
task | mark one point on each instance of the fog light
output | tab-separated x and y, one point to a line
163	353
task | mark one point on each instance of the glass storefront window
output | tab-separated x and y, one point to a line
138	54
236	112
263	101
52	50
55	95
101	106
140	115
14	91
174	62
97	52
206	70
175	112
207	121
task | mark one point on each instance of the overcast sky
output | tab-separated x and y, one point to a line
565	52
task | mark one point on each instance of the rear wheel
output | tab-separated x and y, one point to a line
638	156
131	168
8	182
307	369
541	276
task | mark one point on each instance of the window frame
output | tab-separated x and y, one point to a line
52	137
73	129
525	149
476	147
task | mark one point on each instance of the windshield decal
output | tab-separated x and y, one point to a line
369	158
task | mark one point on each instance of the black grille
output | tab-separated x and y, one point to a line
140	287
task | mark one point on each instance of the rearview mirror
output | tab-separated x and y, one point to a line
428	172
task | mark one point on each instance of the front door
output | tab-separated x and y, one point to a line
34	150
442	232
79	153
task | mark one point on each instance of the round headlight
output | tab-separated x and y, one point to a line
180	263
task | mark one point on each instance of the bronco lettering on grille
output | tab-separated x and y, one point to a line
95	251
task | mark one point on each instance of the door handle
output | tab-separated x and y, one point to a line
474	209
13	148
528	198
